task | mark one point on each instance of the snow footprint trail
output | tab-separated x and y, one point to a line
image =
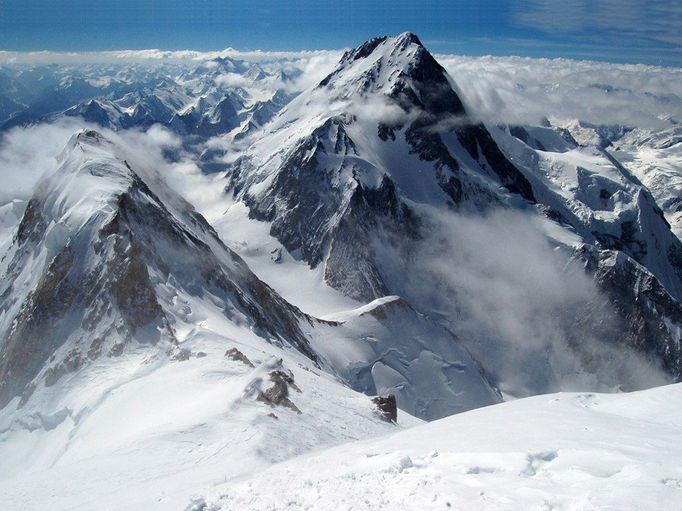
538	461
563	451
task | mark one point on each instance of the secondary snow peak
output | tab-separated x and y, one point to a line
104	262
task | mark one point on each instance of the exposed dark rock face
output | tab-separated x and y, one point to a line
351	264
482	148
23	352
32	225
302	193
317	214
72	292
387	407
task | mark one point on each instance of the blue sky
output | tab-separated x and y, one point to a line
648	31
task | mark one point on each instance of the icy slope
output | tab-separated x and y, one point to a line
139	352
639	311
586	189
656	159
625	241
109	262
558	451
386	347
654	156
381	347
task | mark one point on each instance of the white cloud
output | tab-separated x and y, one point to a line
163	137
622	22
378	110
26	153
154	55
519	90
515	301
496	89
308	70
233	80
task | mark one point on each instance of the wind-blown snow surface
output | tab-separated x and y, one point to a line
138	433
550	452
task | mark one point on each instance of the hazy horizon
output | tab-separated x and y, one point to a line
634	31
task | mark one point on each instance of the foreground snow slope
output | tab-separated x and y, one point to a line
558	451
134	433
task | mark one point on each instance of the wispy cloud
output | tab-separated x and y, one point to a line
515	299
647	27
27	153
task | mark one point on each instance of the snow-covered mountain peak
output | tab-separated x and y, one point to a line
384	130
399	67
85	141
382	45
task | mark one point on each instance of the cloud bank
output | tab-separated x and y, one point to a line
27	153
519	90
152	56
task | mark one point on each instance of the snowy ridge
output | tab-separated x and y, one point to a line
139	331
342	317
94	221
167	431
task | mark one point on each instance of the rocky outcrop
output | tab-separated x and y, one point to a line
238	356
278	393
388	409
